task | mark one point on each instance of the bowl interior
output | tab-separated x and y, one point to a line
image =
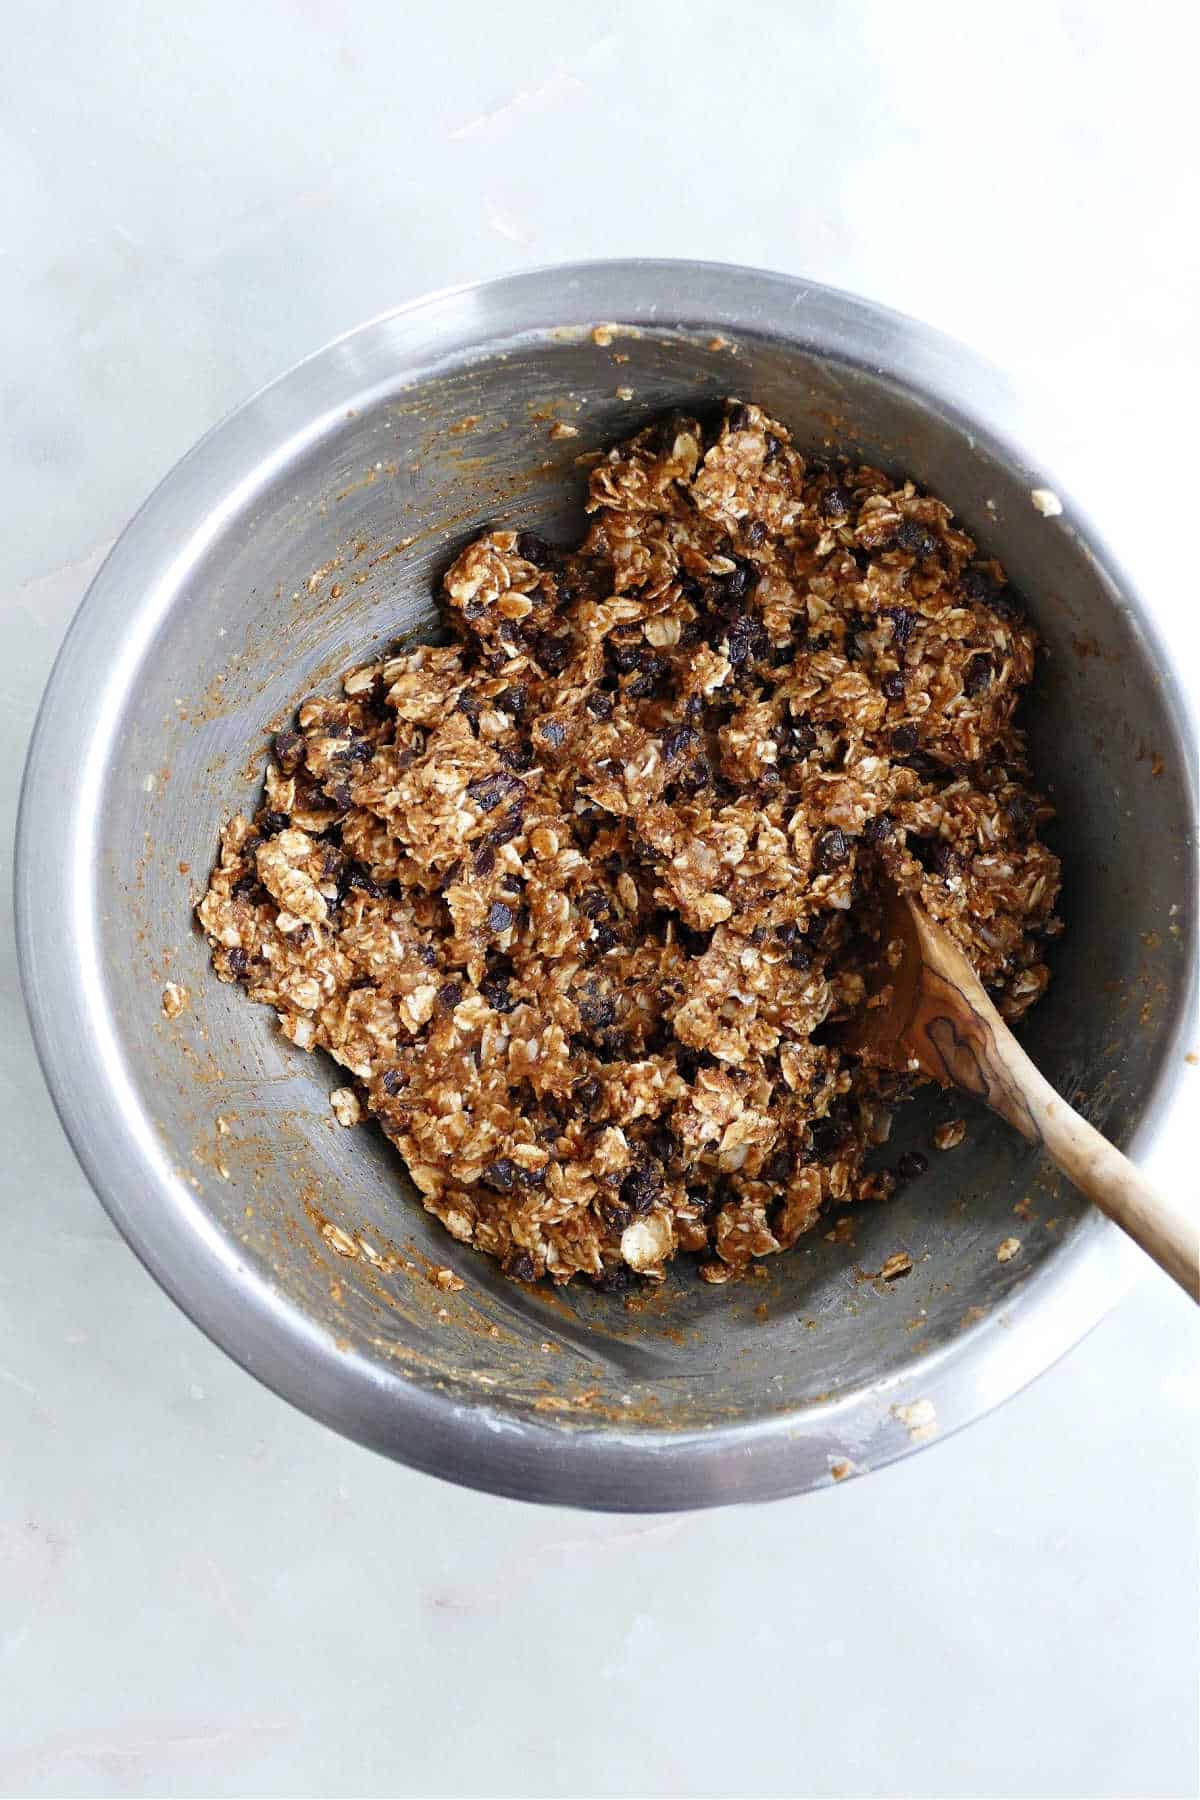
329	551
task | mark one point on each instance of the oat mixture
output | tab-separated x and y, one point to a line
579	898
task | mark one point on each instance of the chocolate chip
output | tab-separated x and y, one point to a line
534	549
271	823
487	791
828	1133
615	1280
679	741
736	584
449	996
696	777
797	738
904	739
520	1266
470	707
490	791
510	826
831	849
494	989
624	652
893	685
517	758
641	1187
553	653
651	670
903	623
392	1081
1021	813
239	963
499	916
357	875
977	584
912	1164
836	501
916	538
289	751
500	1175
944	860
977	675
597	1008
747	640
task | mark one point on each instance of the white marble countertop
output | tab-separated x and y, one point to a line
201	1592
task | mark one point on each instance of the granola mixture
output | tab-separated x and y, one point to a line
578	898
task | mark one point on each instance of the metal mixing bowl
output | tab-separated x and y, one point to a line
306	533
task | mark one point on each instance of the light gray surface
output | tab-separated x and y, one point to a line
201	1592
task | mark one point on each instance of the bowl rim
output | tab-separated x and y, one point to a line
479	1445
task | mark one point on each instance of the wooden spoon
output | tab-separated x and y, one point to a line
926	1008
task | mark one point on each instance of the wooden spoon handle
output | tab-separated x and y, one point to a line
959	1038
1167	1230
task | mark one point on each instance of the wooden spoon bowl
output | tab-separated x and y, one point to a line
926	1010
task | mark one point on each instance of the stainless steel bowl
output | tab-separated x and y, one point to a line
305	533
